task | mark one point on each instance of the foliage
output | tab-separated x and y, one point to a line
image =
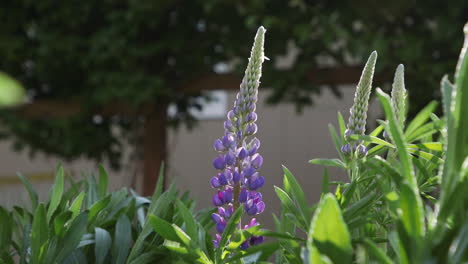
11	92
405	201
138	52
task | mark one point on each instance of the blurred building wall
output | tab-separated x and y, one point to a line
286	139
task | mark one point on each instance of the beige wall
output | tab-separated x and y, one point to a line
286	138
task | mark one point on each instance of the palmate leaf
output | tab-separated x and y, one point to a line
328	232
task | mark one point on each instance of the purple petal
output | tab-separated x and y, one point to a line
222	179
243	195
255	240
230	158
242	153
248	172
216	200
227	196
257	161
218	145
244	245
219	163
260	207
215	182
216	218
222	211
251	117
231	115
220	227
252	210
235	177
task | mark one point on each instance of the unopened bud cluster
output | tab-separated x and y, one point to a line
358	112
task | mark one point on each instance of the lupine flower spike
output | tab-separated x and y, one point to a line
399	97
238	162
358	112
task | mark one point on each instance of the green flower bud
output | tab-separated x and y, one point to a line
399	95
358	112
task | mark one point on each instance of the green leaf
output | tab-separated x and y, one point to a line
32	193
289	207
190	224
457	127
373	140
96	208
122	240
459	247
145	258
182	235
360	207
163	228
57	192
435	146
159	206
75	207
398	138
447	90
160	185
325	182
230	227
425	155
103	182
376	252
411	211
342	126
72	236
328	232
292	186
60	221
329	162
420	118
39	233
256	253
103	243
337	141
5	230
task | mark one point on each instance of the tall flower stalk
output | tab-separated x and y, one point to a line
358	113
238	180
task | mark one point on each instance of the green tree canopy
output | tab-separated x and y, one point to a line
141	52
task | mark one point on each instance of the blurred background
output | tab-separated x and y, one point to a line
130	84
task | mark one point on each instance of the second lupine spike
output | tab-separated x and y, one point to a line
238	162
399	95
358	113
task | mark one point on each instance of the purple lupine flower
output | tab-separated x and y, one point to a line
238	161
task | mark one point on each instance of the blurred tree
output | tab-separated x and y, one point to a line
133	55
